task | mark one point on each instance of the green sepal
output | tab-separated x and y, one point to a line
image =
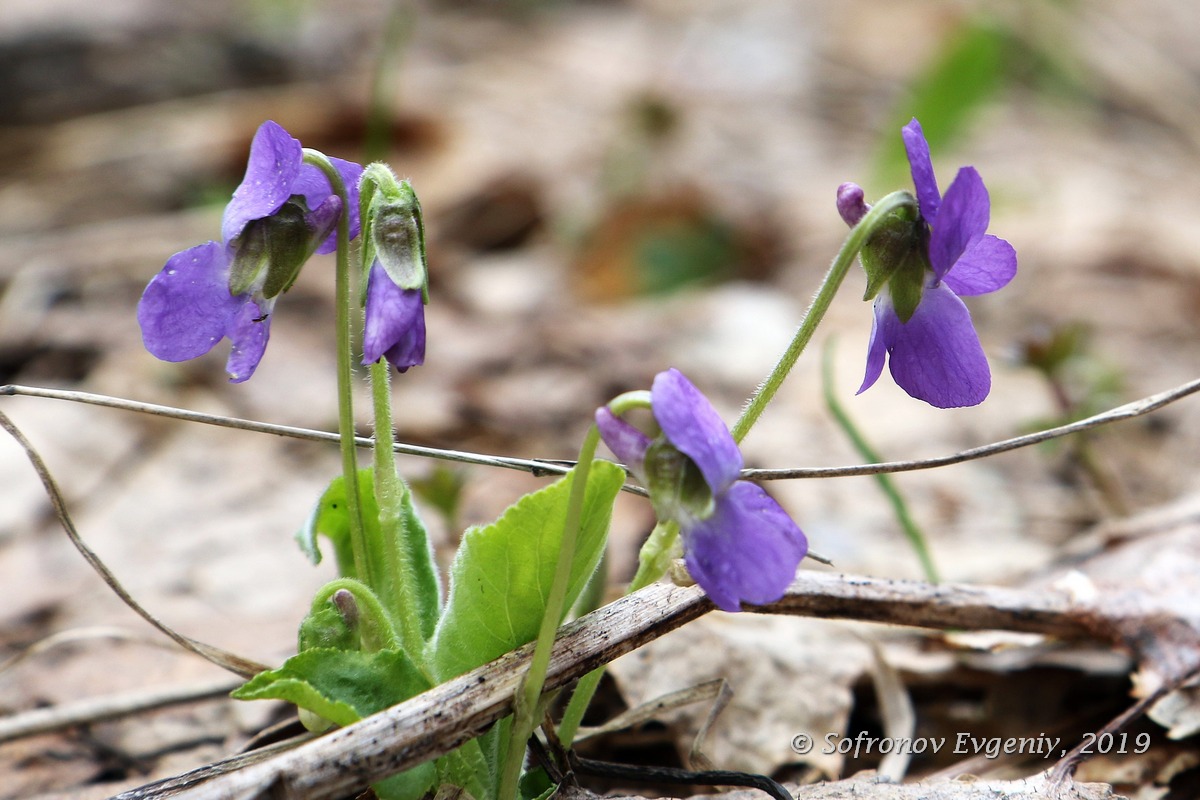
271	251
676	483
502	573
897	239
908	282
394	228
398	235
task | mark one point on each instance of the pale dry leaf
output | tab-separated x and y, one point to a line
788	676
1151	576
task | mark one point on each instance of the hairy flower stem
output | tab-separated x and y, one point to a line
345	310
653	561
401	578
526	717
859	235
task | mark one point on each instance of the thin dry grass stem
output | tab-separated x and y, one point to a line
222	658
1128	411
100	709
540	467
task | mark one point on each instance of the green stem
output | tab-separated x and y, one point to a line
654	557
859	235
389	493
526	718
653	561
345	319
376	628
899	507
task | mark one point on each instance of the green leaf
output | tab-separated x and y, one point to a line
502	573
412	784
466	768
343	686
329	519
429	588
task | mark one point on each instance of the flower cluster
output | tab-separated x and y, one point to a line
739	544
284	211
921	326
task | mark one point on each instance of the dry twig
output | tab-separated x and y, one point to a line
439	720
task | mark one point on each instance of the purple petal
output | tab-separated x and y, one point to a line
249	331
986	267
962	221
936	355
323	222
627	443
850	203
187	307
274	164
693	426
877	347
315	187
921	167
747	551
395	322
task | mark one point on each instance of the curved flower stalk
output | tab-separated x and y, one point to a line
918	270
284	211
738	543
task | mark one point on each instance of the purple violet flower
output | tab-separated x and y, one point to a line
283	211
739	544
394	326
935	354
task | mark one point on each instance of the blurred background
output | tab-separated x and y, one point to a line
610	188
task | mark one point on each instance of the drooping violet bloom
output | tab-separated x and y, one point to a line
739	544
394	324
932	350
283	211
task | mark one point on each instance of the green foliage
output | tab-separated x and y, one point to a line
330	519
502	572
498	591
343	686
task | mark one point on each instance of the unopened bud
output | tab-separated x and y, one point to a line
347	606
850	203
